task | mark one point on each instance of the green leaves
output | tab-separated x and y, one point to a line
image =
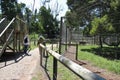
98	16
49	24
101	26
8	8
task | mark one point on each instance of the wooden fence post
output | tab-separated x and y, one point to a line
54	68
76	51
40	49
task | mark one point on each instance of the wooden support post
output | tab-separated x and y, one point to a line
66	40
54	68
14	42
76	51
52	45
19	41
60	35
40	49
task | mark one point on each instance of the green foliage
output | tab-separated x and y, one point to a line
71	19
114	16
49	24
98	15
8	8
20	9
114	4
36	27
101	26
63	72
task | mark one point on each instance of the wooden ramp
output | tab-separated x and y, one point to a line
12	34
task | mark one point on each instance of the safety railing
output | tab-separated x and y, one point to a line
80	71
7	27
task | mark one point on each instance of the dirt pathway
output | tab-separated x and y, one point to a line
25	68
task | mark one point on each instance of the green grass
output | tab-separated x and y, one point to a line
33	36
63	72
111	65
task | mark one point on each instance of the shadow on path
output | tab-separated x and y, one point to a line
10	58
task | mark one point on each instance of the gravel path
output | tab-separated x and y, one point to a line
24	69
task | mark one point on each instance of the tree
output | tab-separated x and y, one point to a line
101	26
114	16
88	9
21	9
48	22
9	8
71	19
98	16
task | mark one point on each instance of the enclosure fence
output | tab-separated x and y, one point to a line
80	71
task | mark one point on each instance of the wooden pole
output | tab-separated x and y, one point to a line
54	68
60	35
76	51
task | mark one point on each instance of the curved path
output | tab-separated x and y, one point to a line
25	68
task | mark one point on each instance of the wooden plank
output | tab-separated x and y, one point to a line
2	20
4	46
7	27
77	69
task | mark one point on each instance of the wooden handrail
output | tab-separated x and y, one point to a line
82	72
2	20
7	27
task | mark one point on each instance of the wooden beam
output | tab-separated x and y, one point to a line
2	20
7	27
4	46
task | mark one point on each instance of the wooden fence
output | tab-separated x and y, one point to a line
80	71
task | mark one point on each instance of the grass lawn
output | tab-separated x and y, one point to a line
63	72
85	53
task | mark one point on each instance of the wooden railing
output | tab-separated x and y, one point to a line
7	27
80	71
